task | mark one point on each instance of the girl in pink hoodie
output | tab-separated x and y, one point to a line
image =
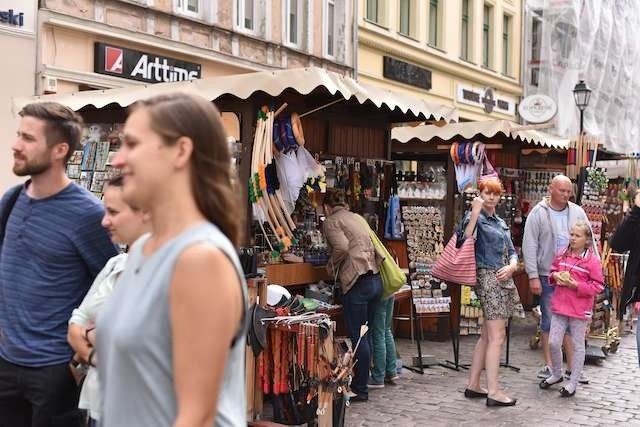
577	276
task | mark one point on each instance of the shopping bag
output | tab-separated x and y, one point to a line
457	264
392	276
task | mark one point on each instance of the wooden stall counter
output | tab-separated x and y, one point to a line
295	274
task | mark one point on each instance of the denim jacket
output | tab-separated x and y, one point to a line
493	237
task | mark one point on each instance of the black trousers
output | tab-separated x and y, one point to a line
38	397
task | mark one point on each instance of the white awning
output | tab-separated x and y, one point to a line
470	130
302	80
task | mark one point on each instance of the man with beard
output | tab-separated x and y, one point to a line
53	247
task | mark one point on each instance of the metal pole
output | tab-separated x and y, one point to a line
581	121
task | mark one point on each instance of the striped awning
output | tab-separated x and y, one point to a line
243	86
470	130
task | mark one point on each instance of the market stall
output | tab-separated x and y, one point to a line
607	192
339	126
443	162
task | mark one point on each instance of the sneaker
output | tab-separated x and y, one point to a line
391	380
582	380
373	384
544	372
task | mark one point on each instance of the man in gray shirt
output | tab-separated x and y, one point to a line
546	232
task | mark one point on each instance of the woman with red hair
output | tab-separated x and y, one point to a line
496	261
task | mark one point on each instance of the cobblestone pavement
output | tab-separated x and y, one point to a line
435	399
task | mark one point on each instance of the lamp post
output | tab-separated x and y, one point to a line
581	94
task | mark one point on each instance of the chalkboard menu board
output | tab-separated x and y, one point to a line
404	72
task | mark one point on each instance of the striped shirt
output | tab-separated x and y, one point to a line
53	249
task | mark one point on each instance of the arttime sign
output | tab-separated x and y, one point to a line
145	67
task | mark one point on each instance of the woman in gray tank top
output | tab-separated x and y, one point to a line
171	339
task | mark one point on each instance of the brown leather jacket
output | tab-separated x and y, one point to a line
352	253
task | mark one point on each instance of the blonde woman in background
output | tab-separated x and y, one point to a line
125	225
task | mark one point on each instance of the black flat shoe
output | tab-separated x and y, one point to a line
544	384
359	398
471	394
565	393
493	402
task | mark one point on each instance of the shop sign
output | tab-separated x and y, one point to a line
404	72
537	108
488	99
17	17
11	17
145	67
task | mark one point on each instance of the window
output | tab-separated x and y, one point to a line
464	37
373	10
293	20
245	14
330	29
566	33
189	7
506	45
535	76
405	20
536	40
433	22
486	36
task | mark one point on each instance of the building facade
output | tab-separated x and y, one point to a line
18	42
167	40
102	44
595	42
464	53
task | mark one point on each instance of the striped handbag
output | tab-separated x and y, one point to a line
457	264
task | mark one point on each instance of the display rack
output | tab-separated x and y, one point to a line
592	195
90	165
430	298
471	314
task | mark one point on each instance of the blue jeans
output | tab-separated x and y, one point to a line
45	396
545	304
384	347
358	307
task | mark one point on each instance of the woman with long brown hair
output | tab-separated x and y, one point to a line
171	339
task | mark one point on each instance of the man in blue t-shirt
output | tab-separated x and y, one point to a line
53	247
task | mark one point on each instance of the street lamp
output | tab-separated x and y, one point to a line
581	94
